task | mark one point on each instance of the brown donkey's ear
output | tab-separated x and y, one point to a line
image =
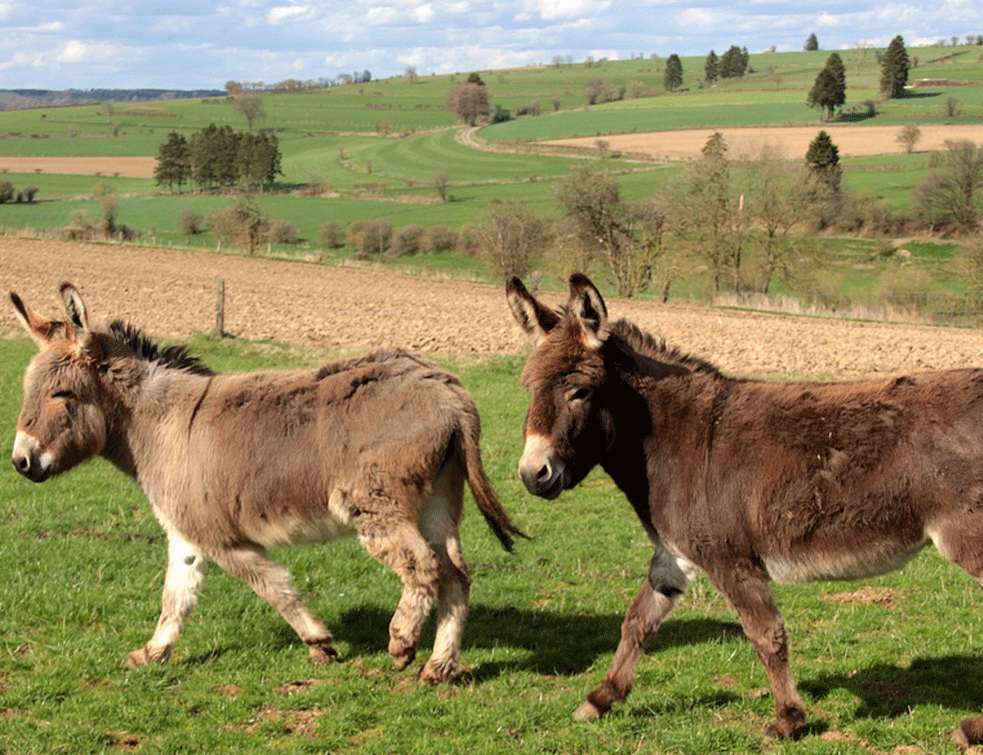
39	329
535	319
587	308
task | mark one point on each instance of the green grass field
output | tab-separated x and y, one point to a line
884	666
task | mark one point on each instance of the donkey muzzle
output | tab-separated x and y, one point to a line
539	472
30	459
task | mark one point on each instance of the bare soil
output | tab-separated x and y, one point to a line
119	167
852	141
345	310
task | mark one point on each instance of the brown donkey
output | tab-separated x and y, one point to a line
233	464
746	480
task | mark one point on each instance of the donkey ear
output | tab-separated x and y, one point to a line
78	316
39	329
535	319
587	307
74	305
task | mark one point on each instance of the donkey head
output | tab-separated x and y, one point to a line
61	422
566	430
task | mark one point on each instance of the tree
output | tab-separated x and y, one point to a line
250	107
812	44
894	68
173	162
953	193
711	68
511	239
627	234
829	90
823	159
734	63
908	137
469	101
672	79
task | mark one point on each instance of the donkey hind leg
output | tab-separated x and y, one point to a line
402	547
746	587
439	518
666	582
271	581
185	573
960	540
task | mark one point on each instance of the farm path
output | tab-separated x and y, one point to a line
350	310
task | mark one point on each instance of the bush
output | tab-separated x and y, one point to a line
281	232
440	238
407	241
6	192
190	223
370	238
331	235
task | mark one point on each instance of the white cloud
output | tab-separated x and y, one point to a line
553	9
279	14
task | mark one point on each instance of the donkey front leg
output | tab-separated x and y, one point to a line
746	587
667	580
271	581
185	572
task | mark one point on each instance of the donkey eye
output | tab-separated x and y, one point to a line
63	395
580	394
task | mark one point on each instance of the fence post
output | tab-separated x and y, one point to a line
219	331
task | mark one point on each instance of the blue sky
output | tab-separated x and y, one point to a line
181	44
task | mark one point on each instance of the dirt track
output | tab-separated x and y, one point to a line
350	310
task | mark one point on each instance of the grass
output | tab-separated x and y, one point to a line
83	559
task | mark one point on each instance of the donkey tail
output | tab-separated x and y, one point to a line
469	436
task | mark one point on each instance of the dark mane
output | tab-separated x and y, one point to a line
658	349
173	357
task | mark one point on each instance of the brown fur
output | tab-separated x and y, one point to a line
234	464
746	480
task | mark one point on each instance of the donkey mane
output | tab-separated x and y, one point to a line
172	357
656	348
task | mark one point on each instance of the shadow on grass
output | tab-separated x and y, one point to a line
887	691
555	644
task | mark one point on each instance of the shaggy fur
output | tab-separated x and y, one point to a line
233	464
747	480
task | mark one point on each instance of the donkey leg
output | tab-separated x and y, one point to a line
667	580
271	581
185	572
747	590
960	540
407	553
439	520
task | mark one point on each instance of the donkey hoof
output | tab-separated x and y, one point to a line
138	658
587	712
322	652
440	673
969	733
402	658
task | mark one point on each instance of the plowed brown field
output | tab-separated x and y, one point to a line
349	310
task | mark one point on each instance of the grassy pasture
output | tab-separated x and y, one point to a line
887	664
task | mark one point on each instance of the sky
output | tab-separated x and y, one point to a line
192	44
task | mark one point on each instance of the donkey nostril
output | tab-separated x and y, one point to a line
544	473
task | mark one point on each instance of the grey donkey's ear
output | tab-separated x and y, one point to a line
39	329
534	318
587	307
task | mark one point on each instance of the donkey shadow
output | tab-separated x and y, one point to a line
553	644
885	690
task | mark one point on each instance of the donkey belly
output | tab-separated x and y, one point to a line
298	522
868	560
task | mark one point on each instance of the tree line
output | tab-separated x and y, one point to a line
218	157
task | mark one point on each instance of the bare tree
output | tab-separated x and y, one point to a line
469	101
908	137
511	239
953	193
250	107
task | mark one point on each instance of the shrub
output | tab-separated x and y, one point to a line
190	223
370	238
6	192
331	235
407	241
281	232
440	238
